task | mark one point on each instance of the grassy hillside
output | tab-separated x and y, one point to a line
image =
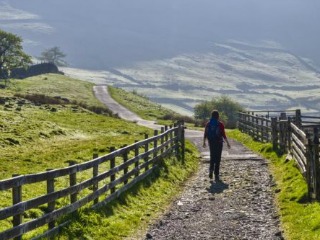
56	86
145	108
37	136
139	104
257	76
47	136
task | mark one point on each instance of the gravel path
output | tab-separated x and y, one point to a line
102	94
241	206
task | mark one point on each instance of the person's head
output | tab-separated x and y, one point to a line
215	114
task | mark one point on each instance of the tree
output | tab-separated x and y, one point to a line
53	55
11	54
226	106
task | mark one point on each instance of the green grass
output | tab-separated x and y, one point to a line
47	136
146	109
138	103
36	137
299	219
130	214
54	85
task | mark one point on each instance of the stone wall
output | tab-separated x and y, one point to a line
35	70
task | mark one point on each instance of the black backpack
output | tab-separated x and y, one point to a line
214	132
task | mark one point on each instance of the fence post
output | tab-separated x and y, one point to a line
125	170
281	136
309	167
269	137
112	165
283	116
51	205
239	121
171	137
298	121
247	123
17	198
146	149
316	161
136	154
73	181
162	139
178	139
182	139
155	145
283	132
257	127
176	135
274	133
252	125
95	172
289	136
166	137
263	135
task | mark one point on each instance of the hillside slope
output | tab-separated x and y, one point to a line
36	136
258	77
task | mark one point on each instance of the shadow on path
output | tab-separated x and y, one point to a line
217	187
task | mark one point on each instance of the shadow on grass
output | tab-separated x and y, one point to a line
304	199
270	149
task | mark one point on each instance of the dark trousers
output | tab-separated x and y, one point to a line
215	157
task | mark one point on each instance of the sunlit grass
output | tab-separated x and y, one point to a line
37	137
145	108
131	213
57	85
139	104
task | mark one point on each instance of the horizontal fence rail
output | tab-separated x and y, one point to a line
295	134
92	184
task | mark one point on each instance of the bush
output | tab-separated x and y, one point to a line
177	117
226	106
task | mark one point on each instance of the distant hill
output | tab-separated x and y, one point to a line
257	77
107	33
263	54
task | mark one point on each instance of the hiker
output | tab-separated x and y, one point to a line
214	132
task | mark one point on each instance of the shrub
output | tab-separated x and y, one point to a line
226	106
177	117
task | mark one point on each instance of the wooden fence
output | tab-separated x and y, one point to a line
91	184
292	133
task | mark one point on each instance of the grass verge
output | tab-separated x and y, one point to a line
146	109
130	215
300	219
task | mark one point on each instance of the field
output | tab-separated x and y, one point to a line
259	77
36	136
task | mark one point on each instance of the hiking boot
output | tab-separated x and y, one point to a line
210	175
